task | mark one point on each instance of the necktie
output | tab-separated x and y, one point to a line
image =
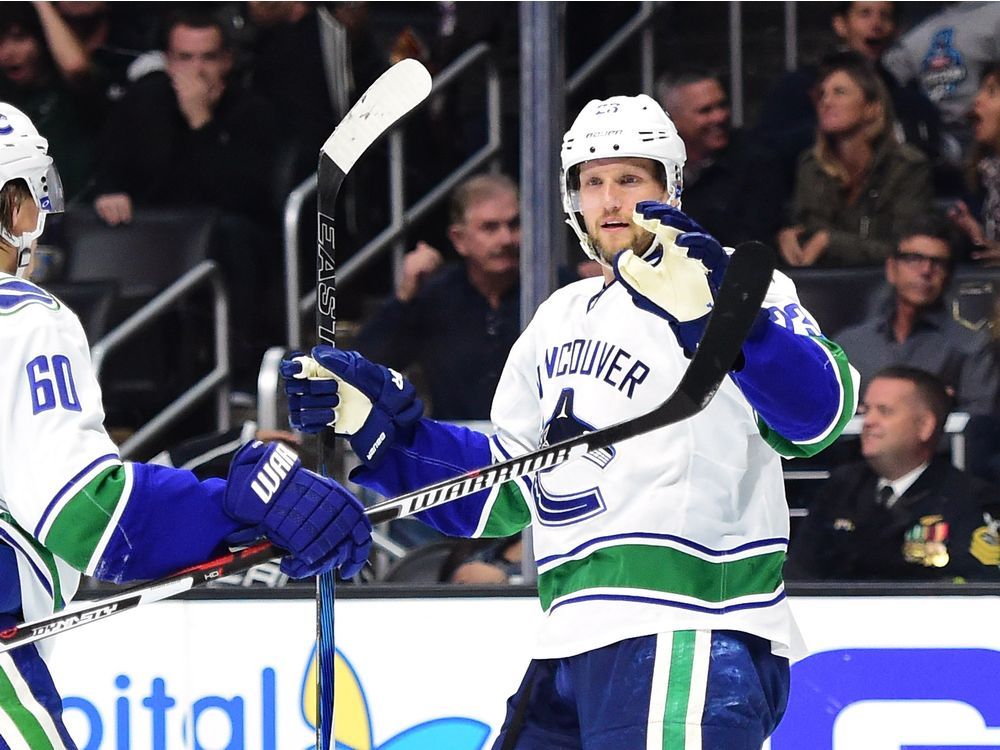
885	495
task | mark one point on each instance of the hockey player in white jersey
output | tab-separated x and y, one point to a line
659	560
70	505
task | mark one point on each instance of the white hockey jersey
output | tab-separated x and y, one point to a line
683	528
52	438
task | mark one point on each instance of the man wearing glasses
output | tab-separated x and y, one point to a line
913	326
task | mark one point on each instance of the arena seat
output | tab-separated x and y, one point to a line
143	256
141	259
422	565
92	301
839	297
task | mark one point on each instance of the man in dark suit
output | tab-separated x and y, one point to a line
904	513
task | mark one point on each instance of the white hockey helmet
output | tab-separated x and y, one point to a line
24	155
620	126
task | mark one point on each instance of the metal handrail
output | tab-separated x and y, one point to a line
292	216
402	219
638	24
207	271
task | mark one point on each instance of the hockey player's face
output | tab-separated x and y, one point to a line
25	219
609	190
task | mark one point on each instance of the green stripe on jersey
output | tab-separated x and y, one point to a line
47	558
797	450
663	570
678	690
509	513
78	529
28	725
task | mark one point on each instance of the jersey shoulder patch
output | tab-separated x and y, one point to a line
17	294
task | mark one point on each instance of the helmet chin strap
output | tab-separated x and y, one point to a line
23	245
23	262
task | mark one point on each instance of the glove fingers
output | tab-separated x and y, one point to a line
340	362
314	401
670	216
289	367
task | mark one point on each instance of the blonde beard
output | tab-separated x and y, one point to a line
643	241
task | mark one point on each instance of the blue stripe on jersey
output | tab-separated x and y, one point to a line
790	381
16	294
437	451
669	603
59	496
43	579
31	668
757	544
171	521
10	588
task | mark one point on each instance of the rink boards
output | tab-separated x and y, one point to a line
884	673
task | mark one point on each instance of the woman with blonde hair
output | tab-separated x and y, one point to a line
858	187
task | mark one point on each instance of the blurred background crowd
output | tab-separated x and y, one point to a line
871	160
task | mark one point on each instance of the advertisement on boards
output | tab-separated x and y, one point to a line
884	673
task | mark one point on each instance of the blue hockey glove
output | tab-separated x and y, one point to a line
678	281
369	404
319	522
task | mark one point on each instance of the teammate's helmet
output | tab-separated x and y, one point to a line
620	126
24	155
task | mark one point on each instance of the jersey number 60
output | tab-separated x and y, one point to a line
46	378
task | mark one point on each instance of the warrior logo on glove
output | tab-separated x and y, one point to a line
275	471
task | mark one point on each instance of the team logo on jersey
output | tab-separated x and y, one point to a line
569	493
943	68
16	294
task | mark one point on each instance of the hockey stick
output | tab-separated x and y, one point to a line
736	307
386	101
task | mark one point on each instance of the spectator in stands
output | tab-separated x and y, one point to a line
858	188
788	116
914	328
44	73
983	232
946	56
115	41
484	561
188	137
904	512
731	184
312	62
458	321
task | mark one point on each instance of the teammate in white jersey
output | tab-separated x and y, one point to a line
660	558
70	505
